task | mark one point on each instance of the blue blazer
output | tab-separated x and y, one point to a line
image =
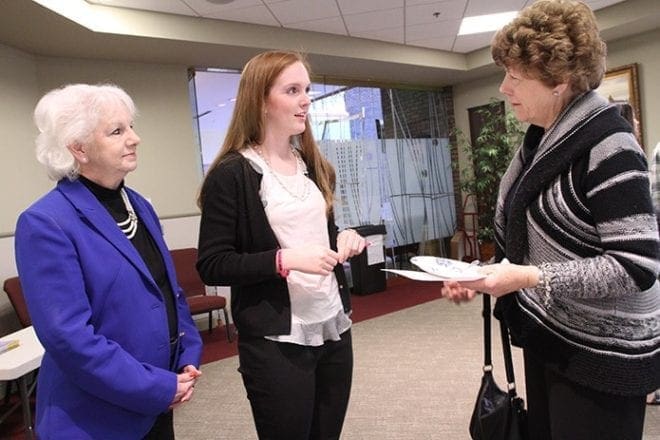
100	317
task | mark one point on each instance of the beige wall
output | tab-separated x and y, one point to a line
21	179
169	170
641	49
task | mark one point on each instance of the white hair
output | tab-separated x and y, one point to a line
69	115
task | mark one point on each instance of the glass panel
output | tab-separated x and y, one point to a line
403	181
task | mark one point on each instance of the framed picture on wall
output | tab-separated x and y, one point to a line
621	84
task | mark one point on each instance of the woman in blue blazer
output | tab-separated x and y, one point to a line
121	348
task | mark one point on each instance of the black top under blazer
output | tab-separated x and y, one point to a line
237	248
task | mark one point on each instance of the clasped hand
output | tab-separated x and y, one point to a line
185	385
321	260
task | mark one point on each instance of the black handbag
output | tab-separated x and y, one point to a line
497	414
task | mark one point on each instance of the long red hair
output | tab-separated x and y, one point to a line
247	123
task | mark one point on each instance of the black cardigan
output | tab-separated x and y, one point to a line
237	248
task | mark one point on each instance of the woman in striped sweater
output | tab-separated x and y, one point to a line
575	221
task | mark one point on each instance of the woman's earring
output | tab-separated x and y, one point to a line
555	93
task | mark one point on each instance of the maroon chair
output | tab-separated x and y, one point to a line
12	287
194	288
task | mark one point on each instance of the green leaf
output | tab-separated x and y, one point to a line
499	137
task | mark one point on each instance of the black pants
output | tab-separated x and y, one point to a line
560	409
163	428
297	392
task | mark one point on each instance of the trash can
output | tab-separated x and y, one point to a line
366	268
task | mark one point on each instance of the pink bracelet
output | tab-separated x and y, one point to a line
280	268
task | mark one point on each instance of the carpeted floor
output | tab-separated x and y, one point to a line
416	375
417	371
400	294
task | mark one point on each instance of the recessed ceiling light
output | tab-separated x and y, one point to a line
218	70
485	23
220	2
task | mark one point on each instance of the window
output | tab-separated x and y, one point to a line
390	149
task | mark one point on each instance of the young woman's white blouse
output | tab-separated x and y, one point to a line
316	309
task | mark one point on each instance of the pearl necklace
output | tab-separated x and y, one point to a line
128	226
299	166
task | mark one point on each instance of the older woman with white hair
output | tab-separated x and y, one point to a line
121	350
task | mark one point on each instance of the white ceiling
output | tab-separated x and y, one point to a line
430	24
386	42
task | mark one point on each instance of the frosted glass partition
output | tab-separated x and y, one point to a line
404	183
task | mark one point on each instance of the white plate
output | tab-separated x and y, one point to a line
448	269
415	275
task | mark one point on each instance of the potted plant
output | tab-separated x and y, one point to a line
490	154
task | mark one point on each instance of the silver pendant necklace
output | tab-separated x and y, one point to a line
299	166
128	226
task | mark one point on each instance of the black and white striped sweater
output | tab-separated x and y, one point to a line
582	211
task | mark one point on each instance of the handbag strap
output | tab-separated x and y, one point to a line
506	346
488	361
508	360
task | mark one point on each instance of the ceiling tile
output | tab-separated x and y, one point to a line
254	14
448	10
374	20
469	43
483	7
425	2
391	35
295	11
205	8
167	6
358	6
441	43
332	25
599	4
432	30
